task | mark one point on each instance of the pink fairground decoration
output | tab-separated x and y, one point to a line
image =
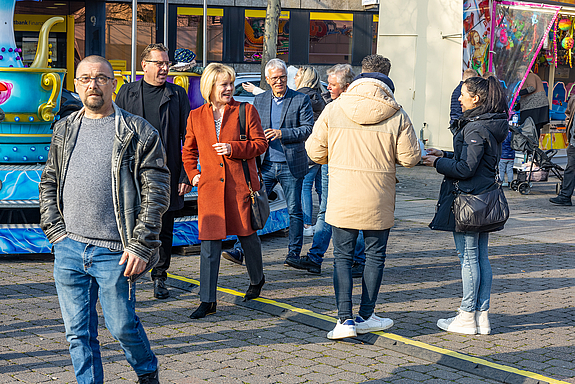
5	91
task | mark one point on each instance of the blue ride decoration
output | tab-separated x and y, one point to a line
29	97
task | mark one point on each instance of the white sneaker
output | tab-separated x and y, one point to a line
482	321
464	322
374	323
308	232
341	331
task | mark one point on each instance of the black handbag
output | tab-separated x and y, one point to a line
258	199
486	212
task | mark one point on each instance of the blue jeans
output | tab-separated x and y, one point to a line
506	167
313	175
344	242
476	273
274	173
322	234
83	272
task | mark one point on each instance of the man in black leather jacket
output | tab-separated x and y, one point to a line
166	106
103	191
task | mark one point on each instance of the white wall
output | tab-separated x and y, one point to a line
424	66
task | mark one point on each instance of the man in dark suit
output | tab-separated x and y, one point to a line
287	120
166	106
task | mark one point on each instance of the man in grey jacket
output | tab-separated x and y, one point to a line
103	191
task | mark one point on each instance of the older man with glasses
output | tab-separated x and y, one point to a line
103	191
166	106
287	120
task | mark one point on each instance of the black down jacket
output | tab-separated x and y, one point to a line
473	163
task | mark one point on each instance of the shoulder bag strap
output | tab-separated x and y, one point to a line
243	137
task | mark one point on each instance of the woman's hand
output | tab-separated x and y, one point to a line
434	152
429	160
222	149
196	180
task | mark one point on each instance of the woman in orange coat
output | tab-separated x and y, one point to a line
213	139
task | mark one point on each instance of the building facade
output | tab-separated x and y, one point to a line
321	33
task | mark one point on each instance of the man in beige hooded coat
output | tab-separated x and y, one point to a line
366	133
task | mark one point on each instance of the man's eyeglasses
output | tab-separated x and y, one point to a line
100	79
160	64
278	78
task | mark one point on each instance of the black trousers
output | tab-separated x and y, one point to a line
166	237
210	253
569	175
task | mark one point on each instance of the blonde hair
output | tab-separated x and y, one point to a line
210	76
308	78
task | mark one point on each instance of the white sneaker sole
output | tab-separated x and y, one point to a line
483	331
361	331
465	331
341	335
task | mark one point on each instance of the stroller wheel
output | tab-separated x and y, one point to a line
513	185
558	188
524	188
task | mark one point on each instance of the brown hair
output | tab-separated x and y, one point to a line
376	63
152	47
491	96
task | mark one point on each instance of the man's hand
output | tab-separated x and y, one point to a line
184	188
272	134
135	264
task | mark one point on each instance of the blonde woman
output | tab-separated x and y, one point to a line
213	139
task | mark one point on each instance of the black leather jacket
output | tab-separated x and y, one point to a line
140	181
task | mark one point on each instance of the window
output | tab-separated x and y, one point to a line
119	31
190	32
254	35
330	37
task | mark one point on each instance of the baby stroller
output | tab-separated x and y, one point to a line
524	139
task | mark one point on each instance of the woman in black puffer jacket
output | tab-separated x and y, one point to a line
472	168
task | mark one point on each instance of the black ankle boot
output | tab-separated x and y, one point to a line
254	290
149	378
203	310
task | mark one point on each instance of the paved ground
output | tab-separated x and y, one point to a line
532	309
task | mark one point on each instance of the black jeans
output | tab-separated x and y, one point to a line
166	237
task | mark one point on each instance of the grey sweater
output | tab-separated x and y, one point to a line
87	196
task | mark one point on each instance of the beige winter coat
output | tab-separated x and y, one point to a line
362	135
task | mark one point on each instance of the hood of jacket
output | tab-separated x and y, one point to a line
495	123
378	76
368	101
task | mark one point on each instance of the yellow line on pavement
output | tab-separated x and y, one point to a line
390	336
472	359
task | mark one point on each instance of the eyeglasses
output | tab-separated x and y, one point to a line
278	78
100	79
160	64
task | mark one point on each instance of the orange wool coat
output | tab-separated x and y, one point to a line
223	195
